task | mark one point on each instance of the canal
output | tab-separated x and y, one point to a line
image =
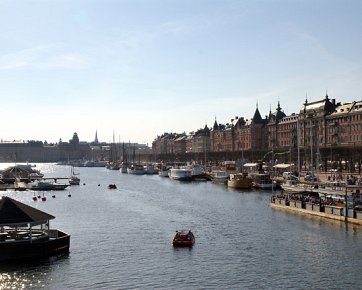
121	239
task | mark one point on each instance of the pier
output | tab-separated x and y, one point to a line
22	184
345	211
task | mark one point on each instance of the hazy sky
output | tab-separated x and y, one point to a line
140	68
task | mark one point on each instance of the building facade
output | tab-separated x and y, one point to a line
320	127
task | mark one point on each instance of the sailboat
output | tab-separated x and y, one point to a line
136	168
124	164
74	179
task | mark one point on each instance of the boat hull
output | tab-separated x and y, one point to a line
183	244
240	181
183	239
50	187
180	174
241	184
163	173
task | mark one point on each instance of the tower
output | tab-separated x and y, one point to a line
96	138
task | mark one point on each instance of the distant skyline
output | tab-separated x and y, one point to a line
135	69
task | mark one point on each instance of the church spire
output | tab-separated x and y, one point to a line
216	126
96	138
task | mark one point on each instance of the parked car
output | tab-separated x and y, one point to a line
310	177
292	177
358	207
286	174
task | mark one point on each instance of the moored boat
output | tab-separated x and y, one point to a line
240	180
183	239
149	169
74	179
47	185
294	186
164	170
136	169
181	174
25	232
262	181
198	173
219	176
124	167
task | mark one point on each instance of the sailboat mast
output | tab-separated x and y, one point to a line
298	148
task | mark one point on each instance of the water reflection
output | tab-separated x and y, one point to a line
30	274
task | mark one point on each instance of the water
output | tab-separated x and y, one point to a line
121	239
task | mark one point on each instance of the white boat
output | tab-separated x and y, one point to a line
136	169
294	187
332	188
198	173
124	167
262	181
164	170
219	176
182	174
149	169
197	170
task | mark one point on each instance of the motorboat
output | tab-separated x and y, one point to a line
197	171
294	186
240	180
46	185
221	173
164	170
124	167
136	169
181	174
183	239
149	169
262	181
112	186
219	176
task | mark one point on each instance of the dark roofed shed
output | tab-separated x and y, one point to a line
13	212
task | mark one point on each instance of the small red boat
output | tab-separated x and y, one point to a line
183	239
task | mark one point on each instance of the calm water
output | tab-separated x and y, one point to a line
121	239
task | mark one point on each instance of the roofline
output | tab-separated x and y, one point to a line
30	223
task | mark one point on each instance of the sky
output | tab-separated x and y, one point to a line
134	69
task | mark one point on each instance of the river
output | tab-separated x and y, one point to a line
121	239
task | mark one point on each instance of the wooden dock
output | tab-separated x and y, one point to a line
22	183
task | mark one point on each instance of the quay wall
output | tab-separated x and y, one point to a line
315	213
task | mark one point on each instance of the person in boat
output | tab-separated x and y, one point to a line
177	236
190	235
